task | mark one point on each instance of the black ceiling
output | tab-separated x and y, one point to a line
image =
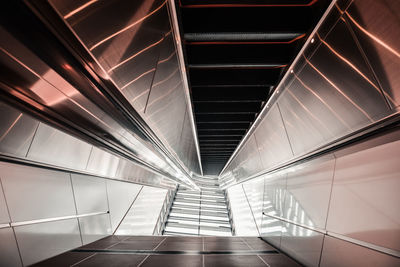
236	51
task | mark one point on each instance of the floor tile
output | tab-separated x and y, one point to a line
180	246
279	260
135	245
145	238
112	260
225	246
193	239
173	261
65	259
233	261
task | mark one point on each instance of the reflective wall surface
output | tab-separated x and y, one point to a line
322	211
45	212
341	83
108	73
339	207
28	139
134	44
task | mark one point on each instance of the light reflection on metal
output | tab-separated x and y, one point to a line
167	58
356	69
272	98
339	90
370	35
309	112
11	126
163	96
128	27
139	52
138	77
79	9
167	78
323	101
178	47
47	96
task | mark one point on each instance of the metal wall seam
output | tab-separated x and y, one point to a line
133	201
252	213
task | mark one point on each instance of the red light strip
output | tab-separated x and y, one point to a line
246	5
244	42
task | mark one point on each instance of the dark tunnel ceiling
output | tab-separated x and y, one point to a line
236	52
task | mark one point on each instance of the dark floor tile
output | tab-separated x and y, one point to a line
173	261
193	239
65	259
233	260
115	238
222	239
135	245
146	238
180	246
225	246
279	260
110	260
260	245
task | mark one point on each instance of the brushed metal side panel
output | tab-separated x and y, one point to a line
272	139
4	217
302	244
303	128
166	107
102	163
337	252
241	213
366	192
120	197
9	255
133	173
34	193
40	241
94	227
187	151
55	147
273	204
376	25
334	94
90	193
308	192
249	160
254	190
125	38
142	217
16	131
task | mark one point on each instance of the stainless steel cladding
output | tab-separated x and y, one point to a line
342	203
23	138
46	212
136	48
125	95
346	79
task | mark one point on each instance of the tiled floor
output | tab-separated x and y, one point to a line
174	251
